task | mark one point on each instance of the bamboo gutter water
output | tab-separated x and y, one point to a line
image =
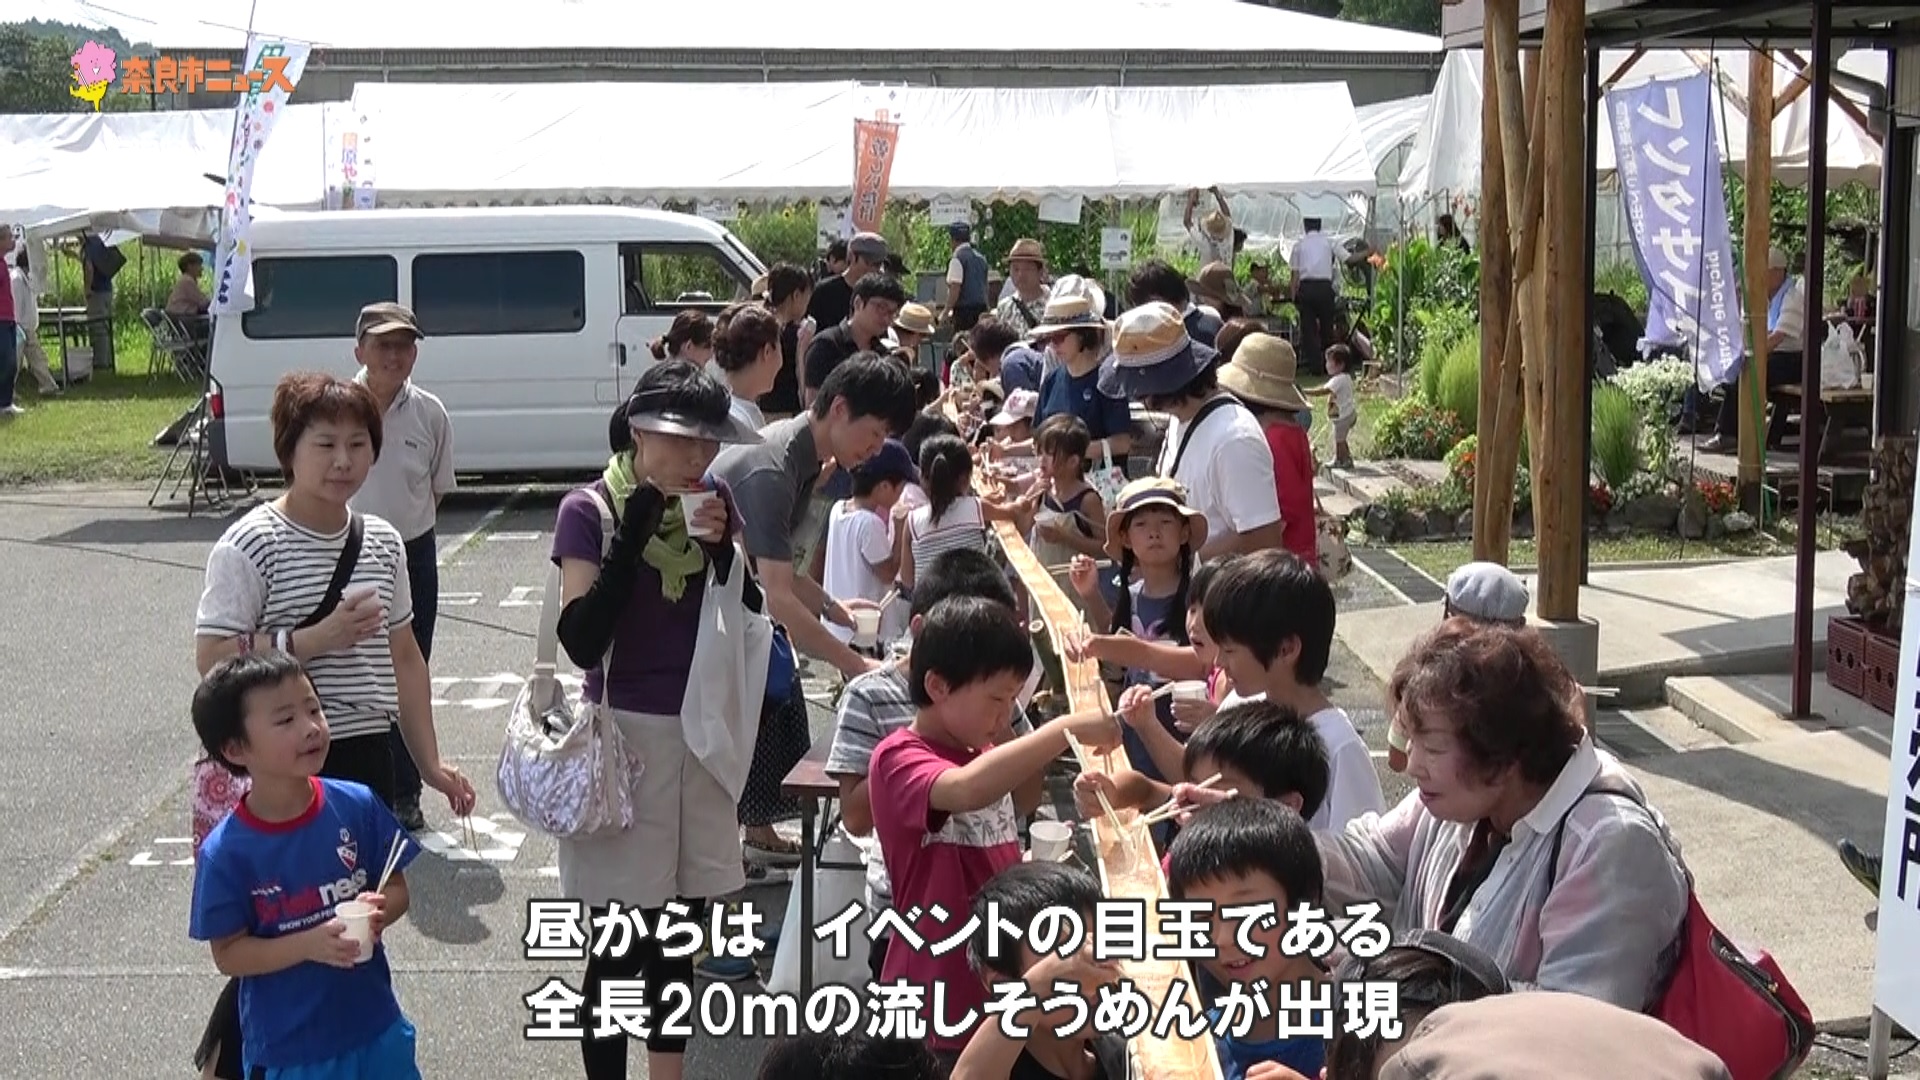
1123	849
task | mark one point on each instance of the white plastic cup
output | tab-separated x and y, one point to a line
690	504
1190	690
1051	840
866	628
358	916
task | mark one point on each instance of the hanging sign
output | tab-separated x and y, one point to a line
874	142
946	210
254	117
722	210
1669	165
1116	249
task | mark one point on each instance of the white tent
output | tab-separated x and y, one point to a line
1446	155
436	144
1387	125
997	26
146	172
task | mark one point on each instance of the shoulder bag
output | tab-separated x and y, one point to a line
1732	1001
566	771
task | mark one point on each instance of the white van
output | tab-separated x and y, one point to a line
537	319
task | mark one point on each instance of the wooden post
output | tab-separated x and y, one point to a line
1758	228
1492	490
1560	475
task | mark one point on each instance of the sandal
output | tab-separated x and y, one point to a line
778	850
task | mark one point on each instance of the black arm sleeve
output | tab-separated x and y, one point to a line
587	623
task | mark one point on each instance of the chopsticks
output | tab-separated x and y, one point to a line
1600	691
1172	807
393	860
1080	750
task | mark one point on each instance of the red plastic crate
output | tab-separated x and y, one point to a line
1883	669
1847	656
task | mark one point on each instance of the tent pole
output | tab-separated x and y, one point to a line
1811	406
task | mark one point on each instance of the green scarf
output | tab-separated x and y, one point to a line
670	550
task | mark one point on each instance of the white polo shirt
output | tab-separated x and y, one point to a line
1312	258
415	467
1227	471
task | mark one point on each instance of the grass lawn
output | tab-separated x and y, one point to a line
101	430
1440	558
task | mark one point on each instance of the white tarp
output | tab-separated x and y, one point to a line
1386	125
458	144
1446	154
852	26
145	172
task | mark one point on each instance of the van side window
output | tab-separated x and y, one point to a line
664	279
500	292
321	297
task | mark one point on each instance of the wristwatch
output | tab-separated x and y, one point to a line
283	641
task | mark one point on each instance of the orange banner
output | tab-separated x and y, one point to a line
873	144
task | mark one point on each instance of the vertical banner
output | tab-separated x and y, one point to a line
272	69
1669	166
874	142
1896	978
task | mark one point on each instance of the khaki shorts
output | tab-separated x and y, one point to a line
685	840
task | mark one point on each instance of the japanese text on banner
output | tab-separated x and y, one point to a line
1896	983
254	119
1669	164
874	142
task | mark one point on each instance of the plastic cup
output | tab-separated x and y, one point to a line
690	504
1051	840
359	919
866	627
1190	690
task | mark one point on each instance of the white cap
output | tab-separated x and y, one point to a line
1776	259
1020	406
1487	592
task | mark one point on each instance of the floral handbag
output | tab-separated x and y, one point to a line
564	770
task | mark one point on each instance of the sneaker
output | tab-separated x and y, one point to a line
407	812
12	410
726	968
1865	868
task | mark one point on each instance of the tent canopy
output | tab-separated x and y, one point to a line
770	25
1388	124
436	144
1446	153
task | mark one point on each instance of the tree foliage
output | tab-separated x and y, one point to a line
36	66
1419	16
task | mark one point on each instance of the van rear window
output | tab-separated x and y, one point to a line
319	297
507	292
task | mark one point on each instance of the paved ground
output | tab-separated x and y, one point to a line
95	965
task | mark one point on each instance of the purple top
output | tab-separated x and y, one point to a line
653	641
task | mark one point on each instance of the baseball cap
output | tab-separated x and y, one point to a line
869	246
1488	592
1020	406
891	463
385	318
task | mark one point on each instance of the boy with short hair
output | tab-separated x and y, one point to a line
1261	749
941	790
879	703
1012	899
270	875
860	562
1271	616
1245	852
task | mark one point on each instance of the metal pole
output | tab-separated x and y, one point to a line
1586	303
1883	263
1814	327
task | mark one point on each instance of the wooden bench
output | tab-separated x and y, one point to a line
1843	408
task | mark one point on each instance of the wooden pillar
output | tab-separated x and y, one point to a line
1560	474
1492	490
1758	230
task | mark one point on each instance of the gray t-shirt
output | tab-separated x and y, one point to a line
772	481
873	706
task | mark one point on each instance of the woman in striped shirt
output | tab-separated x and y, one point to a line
267	587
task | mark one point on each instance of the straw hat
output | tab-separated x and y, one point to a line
1217	225
1152	354
915	319
1216	283
1153	491
1028	249
1262	371
1075	285
1067	312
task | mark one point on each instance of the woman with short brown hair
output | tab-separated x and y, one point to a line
1522	838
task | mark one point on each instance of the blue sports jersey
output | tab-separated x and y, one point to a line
270	879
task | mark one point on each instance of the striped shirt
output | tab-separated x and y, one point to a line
963	526
268	574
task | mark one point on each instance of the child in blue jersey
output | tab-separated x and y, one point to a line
270	875
1244	852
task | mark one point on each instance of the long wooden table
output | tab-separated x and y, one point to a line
1123	849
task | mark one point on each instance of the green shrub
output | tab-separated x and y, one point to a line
1441	330
1656	387
1462	459
1412	428
1616	435
1459	389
